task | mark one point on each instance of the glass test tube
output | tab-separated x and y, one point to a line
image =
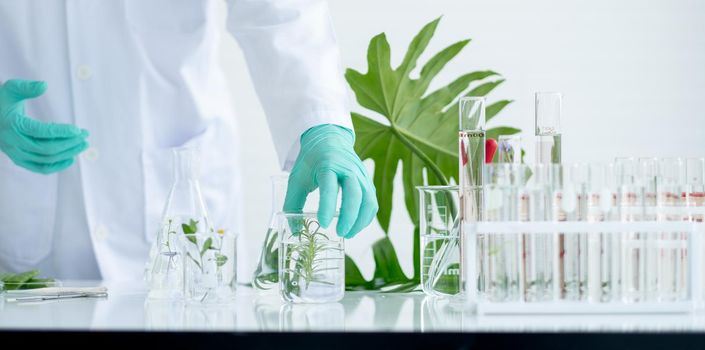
548	127
647	173
630	200
509	150
471	144
671	247
501	203
695	198
570	204
538	251
548	151
695	179
603	247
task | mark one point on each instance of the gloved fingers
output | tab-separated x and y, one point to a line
54	158
48	147
295	196
350	207
41	130
368	210
44	168
19	90
328	191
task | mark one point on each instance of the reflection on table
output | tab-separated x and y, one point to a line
127	309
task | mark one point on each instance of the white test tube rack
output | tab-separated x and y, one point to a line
694	232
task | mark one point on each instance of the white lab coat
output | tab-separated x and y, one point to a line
144	76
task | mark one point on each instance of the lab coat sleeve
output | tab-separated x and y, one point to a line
291	52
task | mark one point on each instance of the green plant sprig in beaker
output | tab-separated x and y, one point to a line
308	261
190	230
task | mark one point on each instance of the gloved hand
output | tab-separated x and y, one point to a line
37	146
326	159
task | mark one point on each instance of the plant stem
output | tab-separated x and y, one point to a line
419	153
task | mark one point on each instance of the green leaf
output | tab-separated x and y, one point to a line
387	268
19	281
419	130
492	110
495	133
190	228
21	277
353	277
220	259
206	245
192	238
403	288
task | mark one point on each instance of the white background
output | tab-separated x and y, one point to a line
632	74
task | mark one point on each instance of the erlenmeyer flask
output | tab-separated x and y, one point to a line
266	276
184	213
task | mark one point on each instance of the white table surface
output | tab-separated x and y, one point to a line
126	309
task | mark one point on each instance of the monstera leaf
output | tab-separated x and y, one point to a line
419	131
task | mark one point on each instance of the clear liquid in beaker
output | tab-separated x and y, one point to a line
440	265
312	273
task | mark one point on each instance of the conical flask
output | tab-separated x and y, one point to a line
184	213
266	276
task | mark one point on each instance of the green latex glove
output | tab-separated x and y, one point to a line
326	159
37	146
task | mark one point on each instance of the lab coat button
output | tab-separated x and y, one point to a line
84	72
91	154
101	233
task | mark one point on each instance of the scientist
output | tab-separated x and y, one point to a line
94	95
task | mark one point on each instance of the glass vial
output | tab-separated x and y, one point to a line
695	184
501	204
548	127
509	149
471	144
570	205
603	247
538	249
632	204
670	248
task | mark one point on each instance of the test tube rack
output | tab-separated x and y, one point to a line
692	241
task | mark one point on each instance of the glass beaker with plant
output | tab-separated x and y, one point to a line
266	274
311	260
184	204
209	263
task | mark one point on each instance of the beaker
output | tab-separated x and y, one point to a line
440	233
209	265
266	276
311	259
501	204
184	209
